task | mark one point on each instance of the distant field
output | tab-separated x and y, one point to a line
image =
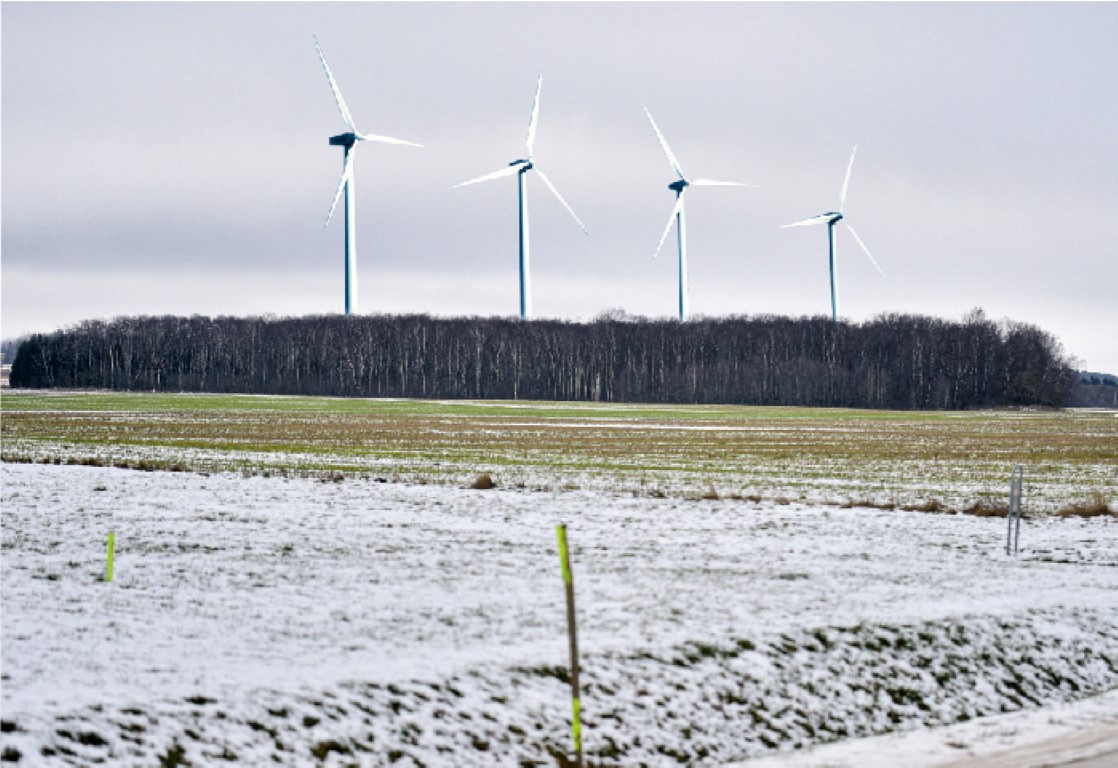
832	456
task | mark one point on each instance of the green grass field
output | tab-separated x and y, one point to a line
819	455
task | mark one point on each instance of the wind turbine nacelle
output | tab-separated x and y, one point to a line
677	186
526	163
835	217
343	140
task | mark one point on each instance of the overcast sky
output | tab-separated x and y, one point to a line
173	159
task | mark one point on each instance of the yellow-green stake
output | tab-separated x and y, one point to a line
109	567
576	706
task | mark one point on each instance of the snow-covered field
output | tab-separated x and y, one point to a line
296	621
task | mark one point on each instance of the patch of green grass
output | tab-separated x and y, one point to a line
560	673
323	748
173	757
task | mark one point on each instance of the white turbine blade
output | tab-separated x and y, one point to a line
334	87
675	210
820	219
712	183
341	185
864	248
551	186
509	171
531	140
664	145
386	139
846	181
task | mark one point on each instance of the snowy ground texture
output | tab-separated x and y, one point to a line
1079	734
295	621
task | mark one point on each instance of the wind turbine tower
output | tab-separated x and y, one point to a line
830	219
680	187
521	168
348	141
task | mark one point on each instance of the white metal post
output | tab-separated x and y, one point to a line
831	252
350	238
681	233
525	280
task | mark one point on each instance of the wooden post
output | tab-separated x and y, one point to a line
576	706
109	567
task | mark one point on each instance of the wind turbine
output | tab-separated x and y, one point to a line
830	219
349	142
679	187
521	168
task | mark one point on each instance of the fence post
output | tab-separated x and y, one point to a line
1020	484
576	706
109	566
1014	509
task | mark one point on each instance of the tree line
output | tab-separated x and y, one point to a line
1095	390
892	361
